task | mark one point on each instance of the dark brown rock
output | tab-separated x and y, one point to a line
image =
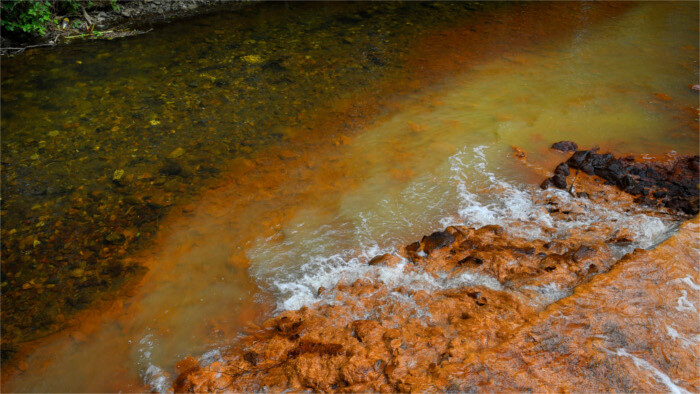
559	181
565	146
437	240
673	181
547	183
115	238
170	168
562	169
577	159
251	357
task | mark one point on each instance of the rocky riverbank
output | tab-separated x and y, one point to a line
575	311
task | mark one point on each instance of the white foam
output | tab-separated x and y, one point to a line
506	203
296	268
155	377
467	279
210	357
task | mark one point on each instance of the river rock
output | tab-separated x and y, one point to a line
176	153
387	259
562	169
96	195
672	182
559	181
565	146
253	59
118	177
582	253
131	200
546	184
437	240
115	238
170	168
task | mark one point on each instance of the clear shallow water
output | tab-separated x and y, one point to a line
436	157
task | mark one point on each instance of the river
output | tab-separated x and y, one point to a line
247	159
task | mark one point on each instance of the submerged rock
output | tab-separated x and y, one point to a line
565	146
176	153
171	168
118	176
115	238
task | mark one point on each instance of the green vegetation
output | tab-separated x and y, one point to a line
25	16
36	18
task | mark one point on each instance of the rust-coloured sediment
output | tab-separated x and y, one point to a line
614	332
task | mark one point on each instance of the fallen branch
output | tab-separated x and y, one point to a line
109	34
96	34
22	49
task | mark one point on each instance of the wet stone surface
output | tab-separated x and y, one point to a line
399	348
100	140
565	146
671	183
498	318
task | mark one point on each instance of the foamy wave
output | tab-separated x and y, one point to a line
155	377
483	197
507	202
503	202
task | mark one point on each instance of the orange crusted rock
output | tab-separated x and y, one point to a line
503	312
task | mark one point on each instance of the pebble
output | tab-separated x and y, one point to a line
118	175
565	146
253	59
96	195
131	200
115	238
77	273
171	168
176	153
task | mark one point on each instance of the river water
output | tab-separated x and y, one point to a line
310	138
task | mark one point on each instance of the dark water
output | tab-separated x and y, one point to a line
100	138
